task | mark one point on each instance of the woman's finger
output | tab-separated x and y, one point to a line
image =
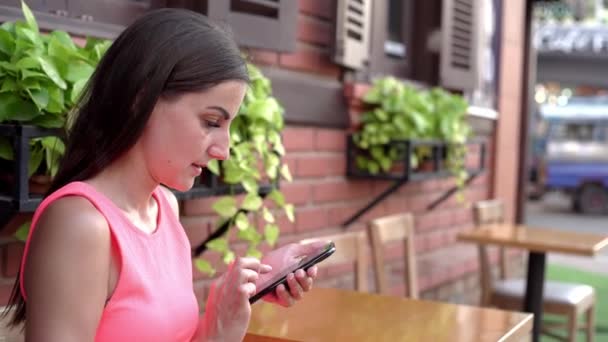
294	287
284	296
248	276
250	263
312	272
248	289
304	281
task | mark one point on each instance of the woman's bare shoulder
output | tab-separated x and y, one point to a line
74	216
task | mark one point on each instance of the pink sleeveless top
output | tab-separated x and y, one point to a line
154	297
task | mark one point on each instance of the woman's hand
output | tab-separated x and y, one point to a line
300	281
228	311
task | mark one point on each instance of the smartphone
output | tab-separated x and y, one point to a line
305	263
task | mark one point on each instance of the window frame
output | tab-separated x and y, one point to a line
379	62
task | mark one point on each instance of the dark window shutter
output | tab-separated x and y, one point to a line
266	24
353	33
460	44
116	12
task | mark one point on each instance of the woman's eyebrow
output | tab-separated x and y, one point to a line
224	112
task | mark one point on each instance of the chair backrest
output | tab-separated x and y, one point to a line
350	248
388	229
484	213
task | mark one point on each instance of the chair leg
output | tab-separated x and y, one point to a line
590	322
572	326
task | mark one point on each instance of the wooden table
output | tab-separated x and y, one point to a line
538	242
339	315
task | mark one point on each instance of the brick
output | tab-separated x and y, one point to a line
264	57
13	261
311	219
330	140
337	215
319	166
296	193
298	139
292	163
198	206
426	222
285	226
397	204
197	228
333	191
318	8
313	30
305	58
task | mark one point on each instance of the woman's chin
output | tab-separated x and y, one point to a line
181	186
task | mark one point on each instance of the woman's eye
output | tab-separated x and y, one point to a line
213	124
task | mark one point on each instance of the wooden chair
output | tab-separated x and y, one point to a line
564	299
350	248
389	229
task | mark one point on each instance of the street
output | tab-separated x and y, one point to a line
554	212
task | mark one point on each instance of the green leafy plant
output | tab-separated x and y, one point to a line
397	111
256	140
41	77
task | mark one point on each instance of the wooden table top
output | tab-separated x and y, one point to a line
537	239
339	315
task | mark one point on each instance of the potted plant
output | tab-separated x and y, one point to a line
399	112
41	77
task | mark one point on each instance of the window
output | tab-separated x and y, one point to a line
266	24
392	23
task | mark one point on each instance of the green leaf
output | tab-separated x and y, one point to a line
250	234
49	121
228	257
250	185
30	78
277	197
204	267
79	70
54	149
241	221
7	43
13	107
28	63
51	71
268	217
218	245
263	109
225	206
29	16
23	231
214	166
252	202
28	37
36	155
285	173
271	234
253	252
77	90
6	149
289	211
40	97
8	85
65	40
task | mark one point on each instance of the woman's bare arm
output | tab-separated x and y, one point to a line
66	272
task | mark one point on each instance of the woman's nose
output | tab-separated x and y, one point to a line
217	152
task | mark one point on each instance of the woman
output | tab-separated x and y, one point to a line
107	259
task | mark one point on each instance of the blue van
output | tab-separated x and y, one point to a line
575	153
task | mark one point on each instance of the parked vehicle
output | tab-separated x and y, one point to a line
575	159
